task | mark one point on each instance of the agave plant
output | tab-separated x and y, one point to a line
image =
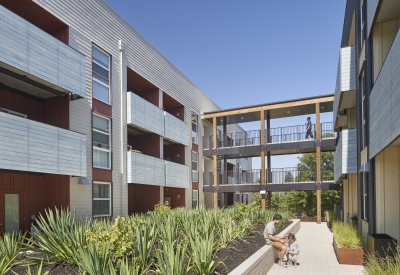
10	246
202	255
172	259
60	236
94	260
145	239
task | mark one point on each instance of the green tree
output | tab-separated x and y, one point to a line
289	177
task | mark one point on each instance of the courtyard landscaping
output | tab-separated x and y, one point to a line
163	241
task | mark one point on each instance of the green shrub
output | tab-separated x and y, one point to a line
346	235
10	246
331	216
377	265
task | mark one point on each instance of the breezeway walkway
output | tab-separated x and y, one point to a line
316	254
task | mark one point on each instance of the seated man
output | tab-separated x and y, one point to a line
274	240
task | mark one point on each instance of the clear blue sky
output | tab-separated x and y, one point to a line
246	52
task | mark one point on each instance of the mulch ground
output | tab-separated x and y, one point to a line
232	256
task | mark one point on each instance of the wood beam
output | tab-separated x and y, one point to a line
272	106
318	159
262	176
215	160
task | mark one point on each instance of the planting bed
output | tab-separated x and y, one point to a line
232	256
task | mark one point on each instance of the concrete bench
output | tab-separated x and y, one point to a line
261	262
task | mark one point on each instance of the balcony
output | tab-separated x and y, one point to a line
176	175
176	130
345	92
31	146
143	114
385	95
33	56
346	154
143	169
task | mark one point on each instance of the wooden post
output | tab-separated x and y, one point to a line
318	159
269	195
215	158
262	176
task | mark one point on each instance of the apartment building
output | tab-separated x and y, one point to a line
367	116
92	116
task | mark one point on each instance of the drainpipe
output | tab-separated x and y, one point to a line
122	97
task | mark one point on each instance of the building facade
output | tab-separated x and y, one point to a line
367	117
93	117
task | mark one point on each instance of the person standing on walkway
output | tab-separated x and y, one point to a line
293	251
309	128
274	240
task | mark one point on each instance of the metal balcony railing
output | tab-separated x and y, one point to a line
272	135
272	176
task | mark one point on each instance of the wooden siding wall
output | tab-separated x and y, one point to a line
142	198
149	144
173	194
41	192
178	112
152	96
173	150
54	111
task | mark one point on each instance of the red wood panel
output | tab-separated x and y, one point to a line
142	198
101	108
178	112
35	110
5	180
102	175
195	147
177	196
152	96
149	144
21	104
195	185
57	191
62	34
172	151
57	111
7	99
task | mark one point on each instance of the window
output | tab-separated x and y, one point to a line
195	199
101	142
100	75
363	112
195	170
101	199
194	128
365	196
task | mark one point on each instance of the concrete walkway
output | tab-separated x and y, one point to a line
316	254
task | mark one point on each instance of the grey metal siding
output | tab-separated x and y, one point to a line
29	49
143	169
384	108
346	76
142	113
27	145
346	154
372	6
176	175
176	129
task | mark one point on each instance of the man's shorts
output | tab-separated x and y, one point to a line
277	245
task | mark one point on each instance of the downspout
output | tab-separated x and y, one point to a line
122	124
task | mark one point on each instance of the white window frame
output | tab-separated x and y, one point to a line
195	134
103	149
103	199
109	78
197	198
197	165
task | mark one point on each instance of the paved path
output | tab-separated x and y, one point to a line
316	254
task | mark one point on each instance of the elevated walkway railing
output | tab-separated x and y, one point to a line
272	136
288	175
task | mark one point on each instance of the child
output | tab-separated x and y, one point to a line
293	251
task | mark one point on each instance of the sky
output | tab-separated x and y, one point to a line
242	53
